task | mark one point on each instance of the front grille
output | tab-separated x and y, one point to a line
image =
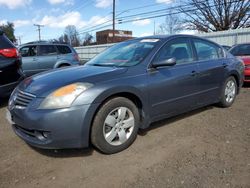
247	77
23	99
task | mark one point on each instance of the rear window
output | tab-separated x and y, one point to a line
241	50
63	49
5	42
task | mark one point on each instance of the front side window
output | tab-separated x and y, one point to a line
125	54
241	50
207	50
28	51
47	50
179	49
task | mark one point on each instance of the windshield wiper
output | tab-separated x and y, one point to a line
103	65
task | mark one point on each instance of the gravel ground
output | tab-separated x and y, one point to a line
209	147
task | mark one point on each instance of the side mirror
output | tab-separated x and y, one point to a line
168	62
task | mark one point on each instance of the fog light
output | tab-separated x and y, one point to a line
45	134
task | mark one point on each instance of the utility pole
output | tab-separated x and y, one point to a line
19	38
113	39
39	30
154	27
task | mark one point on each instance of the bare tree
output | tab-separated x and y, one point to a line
216	15
87	39
172	24
72	35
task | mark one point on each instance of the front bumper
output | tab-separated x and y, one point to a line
53	129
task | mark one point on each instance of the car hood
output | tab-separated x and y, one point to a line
43	84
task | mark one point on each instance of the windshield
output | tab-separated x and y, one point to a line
124	54
241	50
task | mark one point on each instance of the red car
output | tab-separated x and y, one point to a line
243	51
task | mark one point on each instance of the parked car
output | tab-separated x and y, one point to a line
243	52
42	56
226	47
10	66
126	87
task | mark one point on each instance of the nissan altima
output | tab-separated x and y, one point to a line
123	89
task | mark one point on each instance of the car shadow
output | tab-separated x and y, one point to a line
68	153
3	102
64	153
246	85
168	121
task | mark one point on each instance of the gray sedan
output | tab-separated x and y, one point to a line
123	89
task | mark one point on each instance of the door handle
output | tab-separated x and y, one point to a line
224	65
194	73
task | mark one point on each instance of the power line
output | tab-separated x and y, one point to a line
153	14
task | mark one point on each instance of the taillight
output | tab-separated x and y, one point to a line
76	57
9	52
247	67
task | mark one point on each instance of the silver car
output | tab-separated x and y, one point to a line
42	56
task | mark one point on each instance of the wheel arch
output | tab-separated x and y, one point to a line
237	79
61	63
136	98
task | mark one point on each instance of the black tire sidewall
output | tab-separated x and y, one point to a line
97	137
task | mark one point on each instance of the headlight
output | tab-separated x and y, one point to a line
64	96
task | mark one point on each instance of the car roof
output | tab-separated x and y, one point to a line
167	37
44	43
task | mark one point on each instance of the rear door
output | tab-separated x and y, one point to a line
212	69
29	59
173	89
47	57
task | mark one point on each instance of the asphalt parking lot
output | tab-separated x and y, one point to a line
209	147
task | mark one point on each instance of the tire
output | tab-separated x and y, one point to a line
228	93
115	125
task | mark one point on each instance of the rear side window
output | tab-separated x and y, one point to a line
47	50
241	50
28	51
5	42
207	50
63	49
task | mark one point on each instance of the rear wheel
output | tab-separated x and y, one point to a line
229	92
115	125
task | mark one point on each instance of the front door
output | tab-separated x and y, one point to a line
173	89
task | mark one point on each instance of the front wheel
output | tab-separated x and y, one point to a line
115	125
229	92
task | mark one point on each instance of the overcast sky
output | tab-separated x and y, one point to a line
55	15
